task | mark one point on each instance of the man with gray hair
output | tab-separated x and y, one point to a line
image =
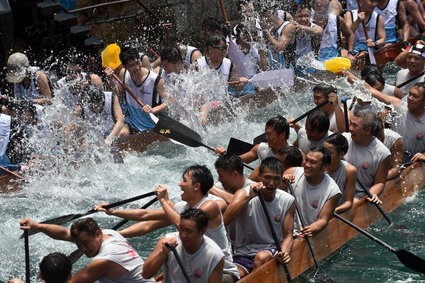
369	155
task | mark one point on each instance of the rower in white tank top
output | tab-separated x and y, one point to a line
339	176
304	144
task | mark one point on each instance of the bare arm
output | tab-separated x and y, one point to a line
405	29
97	269
43	84
381	35
119	118
288	228
144	227
350	189
381	176
157	258
195	56
348	34
239	202
135	214
226	196
96	80
53	231
397	155
217	274
287	37
383	97
255	174
161	92
251	155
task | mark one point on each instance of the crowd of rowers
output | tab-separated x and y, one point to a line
222	233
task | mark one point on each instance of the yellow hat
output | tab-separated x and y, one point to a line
338	64
111	56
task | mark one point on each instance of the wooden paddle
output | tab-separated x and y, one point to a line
75	255
175	130
66	218
320	275
262	137
12	173
377	205
27	258
408	259
347	122
223	11
179	261
269	222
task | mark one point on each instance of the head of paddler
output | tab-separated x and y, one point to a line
317	125
192	227
277	132
367	6
195	184
303	14
363	126
211	26
17	67
55	268
130	58
88	237
171	59
379	131
246	10
216	49
230	171
316	162
416	99
243	38
416	59
73	67
270	173
375	80
321	94
93	99
337	145
290	156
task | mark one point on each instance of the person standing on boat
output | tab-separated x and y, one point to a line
197	180
410	119
314	133
147	86
201	258
343	173
114	259
54	268
317	194
394	14
277	134
280	36
323	93
374	23
415	69
254	244
369	155
28	82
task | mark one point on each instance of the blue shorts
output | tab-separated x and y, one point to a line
247	263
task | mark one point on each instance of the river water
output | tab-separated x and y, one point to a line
60	187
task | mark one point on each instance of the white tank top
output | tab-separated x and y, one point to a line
366	159
144	92
252	231
264	151
4	133
304	144
410	128
303	44
403	76
371	27
199	266
330	32
311	199
32	92
224	69
339	176
118	250
333	127
390	138
388	89
187	61
218	235
105	118
389	13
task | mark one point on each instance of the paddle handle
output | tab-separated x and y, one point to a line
377	205
11	173
223	11
179	261
369	49
27	257
118	203
301	218
370	236
269	222
128	90
347	124
310	111
124	221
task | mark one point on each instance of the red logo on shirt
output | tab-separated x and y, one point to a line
197	273
315	203
132	253
277	217
365	165
419	136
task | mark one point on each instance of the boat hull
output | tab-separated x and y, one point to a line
139	142
9	183
337	234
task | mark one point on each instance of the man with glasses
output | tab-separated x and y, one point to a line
147	86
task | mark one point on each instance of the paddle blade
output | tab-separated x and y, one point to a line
75	256
274	78
338	64
111	56
238	147
259	139
175	130
411	261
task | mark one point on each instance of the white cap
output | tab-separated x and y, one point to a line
17	65
418	49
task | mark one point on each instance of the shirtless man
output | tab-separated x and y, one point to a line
203	259
147	86
114	260
197	180
254	244
317	194
343	173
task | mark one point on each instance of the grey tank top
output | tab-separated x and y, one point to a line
339	176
